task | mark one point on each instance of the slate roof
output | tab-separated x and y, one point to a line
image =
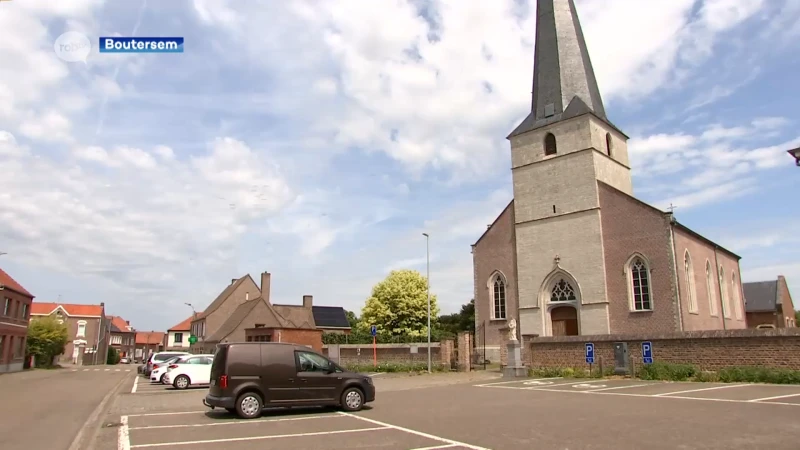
295	316
71	309
9	283
330	317
270	320
221	297
761	296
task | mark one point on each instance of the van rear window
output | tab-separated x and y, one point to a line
220	358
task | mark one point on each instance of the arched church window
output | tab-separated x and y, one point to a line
688	273
550	144
712	302
723	293
608	144
498	297
640	284
737	300
562	292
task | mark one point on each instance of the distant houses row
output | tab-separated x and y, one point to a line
241	312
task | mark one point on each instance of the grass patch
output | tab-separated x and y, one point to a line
569	372
392	367
745	374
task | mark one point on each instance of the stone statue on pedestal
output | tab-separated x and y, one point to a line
512	330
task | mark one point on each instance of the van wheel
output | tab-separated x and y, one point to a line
352	399
181	382
249	405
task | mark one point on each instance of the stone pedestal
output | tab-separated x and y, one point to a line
514	367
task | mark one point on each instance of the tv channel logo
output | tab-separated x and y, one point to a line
141	44
73	47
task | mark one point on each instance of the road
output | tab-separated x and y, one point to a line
45	409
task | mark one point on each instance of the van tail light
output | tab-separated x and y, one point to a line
223	381
172	366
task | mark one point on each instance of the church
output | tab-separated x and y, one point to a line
575	252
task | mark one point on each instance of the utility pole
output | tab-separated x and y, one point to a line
428	283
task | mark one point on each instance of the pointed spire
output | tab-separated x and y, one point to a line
564	85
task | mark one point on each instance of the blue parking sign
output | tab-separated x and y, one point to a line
373	330
647	352
589	353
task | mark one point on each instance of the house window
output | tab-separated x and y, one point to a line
562	292
723	294
550	144
178	338
688	273
19	347
81	329
737	301
6	306
608	144
712	302
641	298
498	286
24	311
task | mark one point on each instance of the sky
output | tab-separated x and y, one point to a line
319	140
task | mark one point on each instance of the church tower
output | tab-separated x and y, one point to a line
558	154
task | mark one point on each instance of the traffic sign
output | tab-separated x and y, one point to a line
192	339
373	330
589	353
647	352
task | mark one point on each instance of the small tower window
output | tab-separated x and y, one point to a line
608	143
549	144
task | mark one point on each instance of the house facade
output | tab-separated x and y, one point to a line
575	252
88	331
148	342
206	323
178	336
769	304
15	309
123	336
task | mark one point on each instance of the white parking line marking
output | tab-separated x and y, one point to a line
106	370
168	413
234	422
258	438
123	436
515	381
410	431
85	370
701	389
620	387
436	447
726	400
584	384
135	385
773	398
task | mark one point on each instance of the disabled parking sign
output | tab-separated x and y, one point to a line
647	352
589	353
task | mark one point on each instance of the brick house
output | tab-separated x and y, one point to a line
257	319
15	302
123	336
88	330
769	304
148	342
178	336
575	253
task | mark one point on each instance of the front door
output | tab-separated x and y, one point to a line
564	321
314	378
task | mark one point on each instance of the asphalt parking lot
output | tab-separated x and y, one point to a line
458	412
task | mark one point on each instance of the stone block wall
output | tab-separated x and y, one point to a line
709	350
388	353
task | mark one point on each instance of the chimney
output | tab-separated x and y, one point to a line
128	322
233	280
308	301
265	279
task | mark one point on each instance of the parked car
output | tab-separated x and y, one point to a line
124	360
160	368
249	376
189	371
159	357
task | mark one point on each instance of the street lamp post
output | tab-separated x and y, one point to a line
796	154
428	283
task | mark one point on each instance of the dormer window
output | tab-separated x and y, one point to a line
550	144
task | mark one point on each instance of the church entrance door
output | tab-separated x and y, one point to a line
565	321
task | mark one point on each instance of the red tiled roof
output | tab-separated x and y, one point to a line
44	309
186	325
149	337
120	323
10	283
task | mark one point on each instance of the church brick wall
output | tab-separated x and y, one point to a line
709	350
701	251
629	227
785	299
495	251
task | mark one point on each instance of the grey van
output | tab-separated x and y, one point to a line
249	376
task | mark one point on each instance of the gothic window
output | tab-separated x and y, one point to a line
723	293
641	298
688	273
608	144
550	144
563	292
712	302
737	300
498	286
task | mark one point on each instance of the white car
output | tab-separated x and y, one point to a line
160	368
193	370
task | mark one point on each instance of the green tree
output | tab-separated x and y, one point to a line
351	317
399	306
463	320
797	318
113	356
46	339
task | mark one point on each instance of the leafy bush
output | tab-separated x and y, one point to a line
706	377
113	356
667	371
747	374
46	339
394	367
360	337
